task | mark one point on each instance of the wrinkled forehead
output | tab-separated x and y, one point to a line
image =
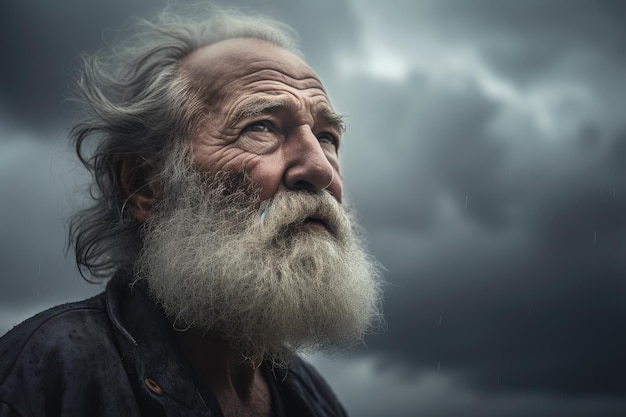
222	67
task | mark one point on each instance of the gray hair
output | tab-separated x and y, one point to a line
138	109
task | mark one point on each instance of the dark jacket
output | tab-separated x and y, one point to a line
115	355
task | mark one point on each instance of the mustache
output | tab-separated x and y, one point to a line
233	202
291	209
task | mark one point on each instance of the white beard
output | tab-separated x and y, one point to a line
251	273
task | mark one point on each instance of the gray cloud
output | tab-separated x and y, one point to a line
499	211
41	43
36	180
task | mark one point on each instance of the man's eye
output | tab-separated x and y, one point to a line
327	138
259	127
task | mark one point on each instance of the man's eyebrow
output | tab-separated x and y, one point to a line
330	117
258	106
266	105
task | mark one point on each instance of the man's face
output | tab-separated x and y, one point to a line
233	248
268	116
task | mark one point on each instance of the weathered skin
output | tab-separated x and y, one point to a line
293	144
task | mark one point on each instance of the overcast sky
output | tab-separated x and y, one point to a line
485	154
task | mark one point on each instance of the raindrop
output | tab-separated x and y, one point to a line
441	317
595	236
466	199
438	366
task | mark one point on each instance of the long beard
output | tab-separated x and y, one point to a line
257	274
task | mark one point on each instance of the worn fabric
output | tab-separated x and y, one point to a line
116	355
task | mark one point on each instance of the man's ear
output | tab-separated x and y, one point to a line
141	189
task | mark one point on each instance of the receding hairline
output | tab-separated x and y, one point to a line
222	46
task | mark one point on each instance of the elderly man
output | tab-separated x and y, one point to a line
218	215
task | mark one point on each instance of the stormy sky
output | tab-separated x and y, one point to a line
485	154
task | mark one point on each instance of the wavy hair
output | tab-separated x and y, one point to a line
136	108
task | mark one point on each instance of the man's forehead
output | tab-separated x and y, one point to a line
240	57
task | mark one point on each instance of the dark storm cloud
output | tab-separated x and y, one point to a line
534	301
531	300
526	39
41	42
522	39
34	206
504	240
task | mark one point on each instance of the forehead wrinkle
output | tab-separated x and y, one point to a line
263	105
274	73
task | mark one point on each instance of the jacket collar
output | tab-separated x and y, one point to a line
149	349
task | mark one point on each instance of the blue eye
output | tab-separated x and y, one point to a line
327	138
259	127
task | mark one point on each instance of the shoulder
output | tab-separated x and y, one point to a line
52	328
55	355
52	332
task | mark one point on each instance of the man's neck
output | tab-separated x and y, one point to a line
236	382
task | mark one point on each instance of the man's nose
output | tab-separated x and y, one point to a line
308	167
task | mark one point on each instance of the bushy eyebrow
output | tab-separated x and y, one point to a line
267	105
332	118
